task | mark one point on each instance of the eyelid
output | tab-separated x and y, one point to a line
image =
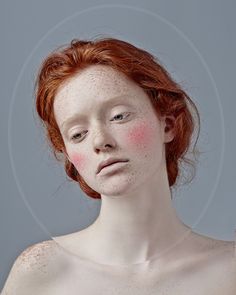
121	113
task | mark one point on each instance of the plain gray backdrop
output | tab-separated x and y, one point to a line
209	24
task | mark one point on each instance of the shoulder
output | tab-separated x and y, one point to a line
214	250
217	262
226	264
36	267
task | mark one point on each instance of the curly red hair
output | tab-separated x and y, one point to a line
166	95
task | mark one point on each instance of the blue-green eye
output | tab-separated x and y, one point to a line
121	114
77	136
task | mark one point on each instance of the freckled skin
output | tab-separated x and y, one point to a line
139	135
136	219
137	229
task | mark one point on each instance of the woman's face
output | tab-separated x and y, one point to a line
102	114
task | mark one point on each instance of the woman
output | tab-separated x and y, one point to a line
122	126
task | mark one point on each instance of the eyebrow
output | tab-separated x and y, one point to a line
75	118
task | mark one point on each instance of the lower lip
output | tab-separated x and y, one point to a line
112	167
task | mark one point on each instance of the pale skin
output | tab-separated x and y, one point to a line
137	228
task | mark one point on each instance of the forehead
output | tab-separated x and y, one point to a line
96	81
92	86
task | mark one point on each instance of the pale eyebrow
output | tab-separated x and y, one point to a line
76	117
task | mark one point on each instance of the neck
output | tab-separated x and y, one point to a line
135	227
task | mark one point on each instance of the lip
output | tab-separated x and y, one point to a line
108	162
112	168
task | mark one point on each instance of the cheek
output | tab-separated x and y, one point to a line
140	136
78	160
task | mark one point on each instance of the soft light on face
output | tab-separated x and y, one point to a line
139	135
79	161
101	106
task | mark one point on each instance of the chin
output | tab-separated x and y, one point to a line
115	190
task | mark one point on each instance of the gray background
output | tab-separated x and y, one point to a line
211	27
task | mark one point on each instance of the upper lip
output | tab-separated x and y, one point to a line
108	162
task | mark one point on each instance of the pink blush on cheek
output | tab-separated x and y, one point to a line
139	135
78	161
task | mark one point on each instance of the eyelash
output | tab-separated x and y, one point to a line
73	137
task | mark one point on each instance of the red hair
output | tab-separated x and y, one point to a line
166	95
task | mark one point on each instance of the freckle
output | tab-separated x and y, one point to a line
78	161
36	256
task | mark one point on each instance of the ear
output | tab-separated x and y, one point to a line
168	125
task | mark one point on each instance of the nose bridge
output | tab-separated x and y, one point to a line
101	134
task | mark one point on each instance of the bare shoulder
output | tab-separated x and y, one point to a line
225	267
218	263
224	250
227	258
35	268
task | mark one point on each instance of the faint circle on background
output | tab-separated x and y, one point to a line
58	205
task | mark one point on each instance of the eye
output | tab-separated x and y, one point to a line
121	115
76	136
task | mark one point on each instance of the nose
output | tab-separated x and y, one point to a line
102	138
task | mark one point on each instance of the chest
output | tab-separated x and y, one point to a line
194	281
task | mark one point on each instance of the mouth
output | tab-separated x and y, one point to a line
112	166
